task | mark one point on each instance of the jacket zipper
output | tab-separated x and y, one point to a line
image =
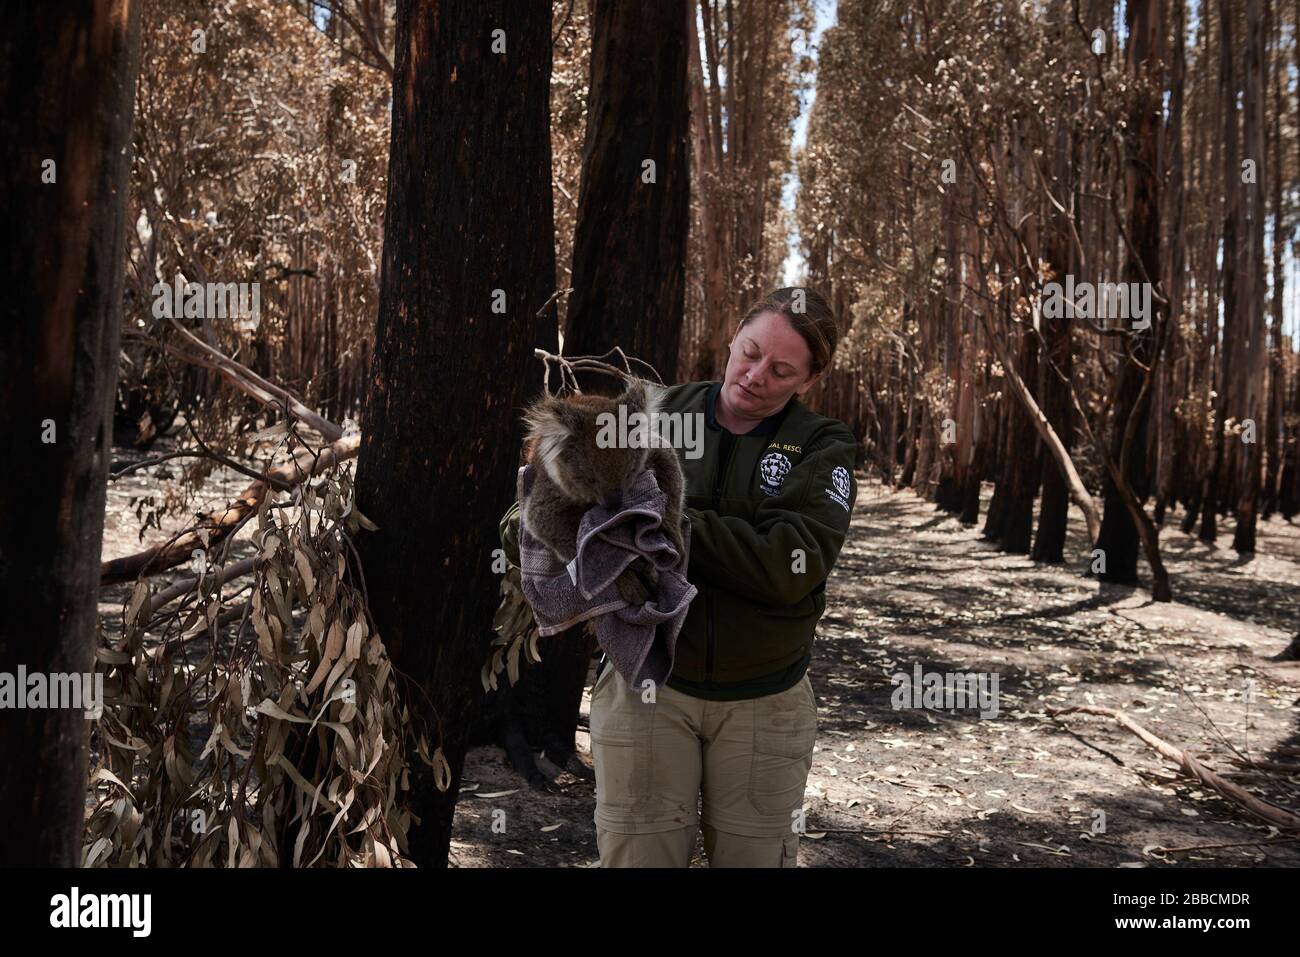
724	458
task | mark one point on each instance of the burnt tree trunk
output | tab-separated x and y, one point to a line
1002	462
1274	434
954	436
468	262
1288	501
1254	330
1024	461
1210	497
1169	432
629	253
974	477
67	78
629	246
1120	536
1054	374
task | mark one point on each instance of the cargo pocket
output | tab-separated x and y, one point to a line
790	851
622	728
785	730
601	678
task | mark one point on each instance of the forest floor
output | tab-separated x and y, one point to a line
913	586
1020	789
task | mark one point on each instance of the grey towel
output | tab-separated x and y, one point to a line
640	640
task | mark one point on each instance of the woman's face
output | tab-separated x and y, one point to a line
769	362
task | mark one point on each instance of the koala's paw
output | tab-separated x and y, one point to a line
637	582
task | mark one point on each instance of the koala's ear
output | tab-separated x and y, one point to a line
642	395
551	422
545	419
654	396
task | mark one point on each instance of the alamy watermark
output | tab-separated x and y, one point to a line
40	690
75	909
644	430
946	690
209	300
1129	301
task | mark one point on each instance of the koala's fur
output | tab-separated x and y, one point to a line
574	473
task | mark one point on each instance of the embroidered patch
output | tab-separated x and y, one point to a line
840	479
772	471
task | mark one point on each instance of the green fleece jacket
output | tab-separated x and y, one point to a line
769	511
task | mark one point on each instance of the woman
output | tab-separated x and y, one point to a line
769	504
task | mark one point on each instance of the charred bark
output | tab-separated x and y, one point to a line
67	78
470	161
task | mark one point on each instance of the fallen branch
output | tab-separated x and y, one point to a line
1215	847
1278	817
249	382
216	525
1273	766
223	618
156	460
186	585
234	466
1078	491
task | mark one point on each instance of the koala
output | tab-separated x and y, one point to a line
574	474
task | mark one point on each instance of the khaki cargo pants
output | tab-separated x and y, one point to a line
750	759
